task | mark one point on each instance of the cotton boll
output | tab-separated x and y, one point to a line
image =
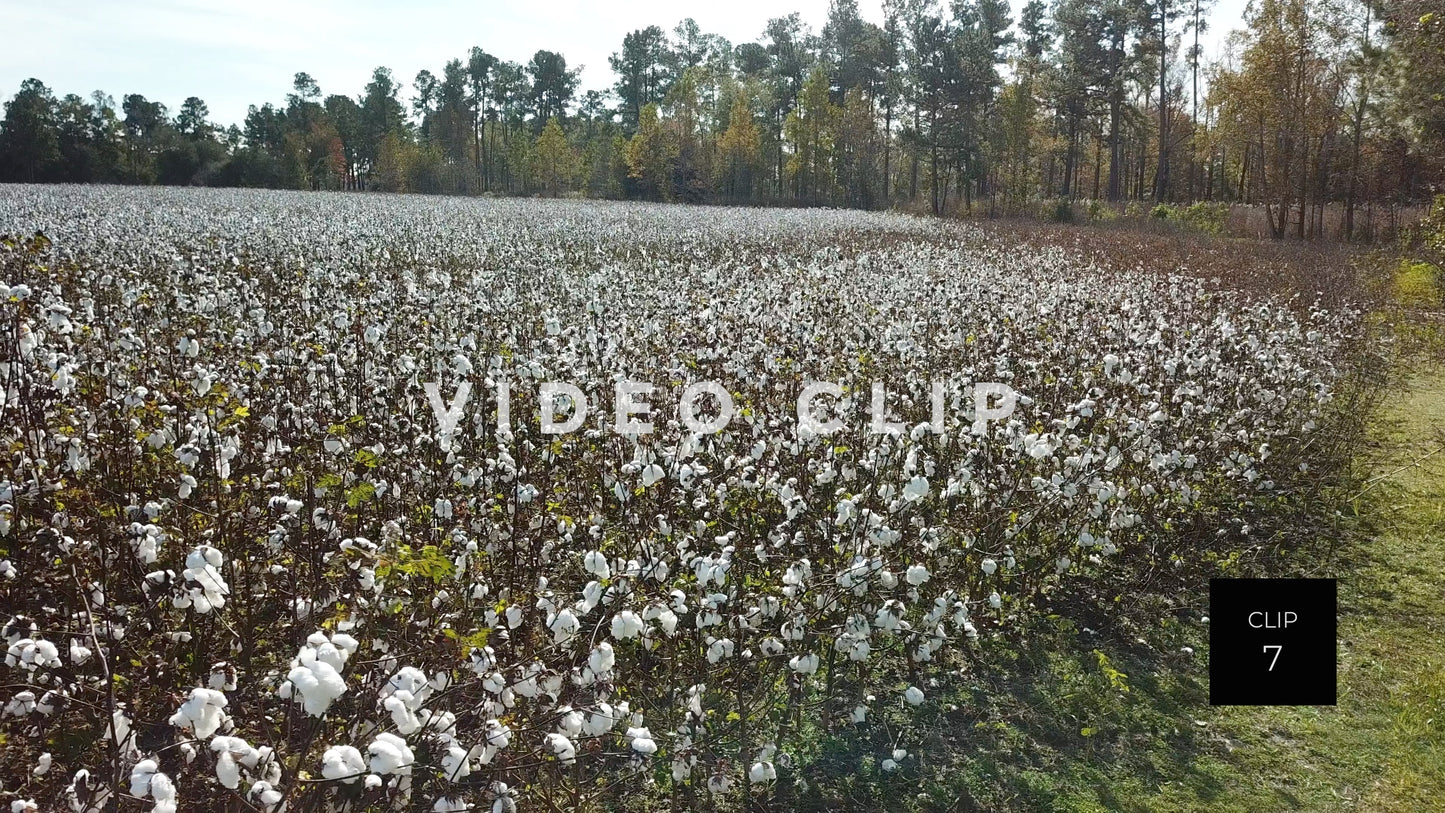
560	747
804	664
402	716
265	793
719	649
564	626
140	777
342	762
455	764
595	562
602	659
228	773
719	783
42	765
390	754
205	589
314	672
569	722
916	489
913	695
626	624
164	792
643	743
916	575
203	713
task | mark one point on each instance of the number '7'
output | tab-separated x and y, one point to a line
1277	649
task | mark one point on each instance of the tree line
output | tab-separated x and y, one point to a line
944	107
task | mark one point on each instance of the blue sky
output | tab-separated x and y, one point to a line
235	54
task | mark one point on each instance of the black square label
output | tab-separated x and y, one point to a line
1272	642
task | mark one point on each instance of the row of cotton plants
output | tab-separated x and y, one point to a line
241	562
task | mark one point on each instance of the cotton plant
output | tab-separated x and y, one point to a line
492	597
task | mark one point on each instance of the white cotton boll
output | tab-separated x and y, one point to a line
916	489
560	747
564	626
205	588
916	575
667	619
995	600
651	474
719	649
47	703
46	654
203	713
913	695
342	762
449	805
401	715
346	644
804	664
228	773
455	764
859	714
889	765
641	740
600	720
164	792
24	806
989	566
570	722
719	783
265	793
79	654
372	781
595	562
602	659
140	777
497	735
626	624
42	764
591	596
390	754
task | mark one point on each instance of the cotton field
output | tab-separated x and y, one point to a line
248	562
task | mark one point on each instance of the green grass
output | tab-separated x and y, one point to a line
1382	748
1416	284
1119	720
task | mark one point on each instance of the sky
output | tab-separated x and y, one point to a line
236	54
